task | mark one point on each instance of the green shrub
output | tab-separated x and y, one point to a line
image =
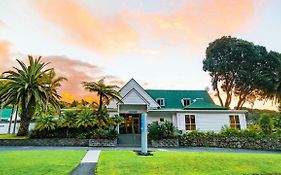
266	124
86	119
162	130
45	122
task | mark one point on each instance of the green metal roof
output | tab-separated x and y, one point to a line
201	104
5	113
173	98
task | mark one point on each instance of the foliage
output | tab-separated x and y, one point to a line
266	124
45	122
86	119
105	93
161	130
28	87
116	120
238	67
74	124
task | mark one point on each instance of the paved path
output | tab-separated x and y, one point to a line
88	164
188	149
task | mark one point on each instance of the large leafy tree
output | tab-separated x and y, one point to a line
105	93
238	68
273	78
28	87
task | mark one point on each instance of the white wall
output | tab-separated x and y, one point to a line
4	127
210	121
155	116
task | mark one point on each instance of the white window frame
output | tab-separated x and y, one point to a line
190	124
182	101
163	99
235	125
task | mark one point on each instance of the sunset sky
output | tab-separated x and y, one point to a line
159	43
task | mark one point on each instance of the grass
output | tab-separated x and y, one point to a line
127	162
11	136
39	162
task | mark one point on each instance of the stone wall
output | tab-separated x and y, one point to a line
102	142
232	142
51	142
165	143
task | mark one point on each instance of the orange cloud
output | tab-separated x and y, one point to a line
76	72
197	22
82	28
194	22
4	55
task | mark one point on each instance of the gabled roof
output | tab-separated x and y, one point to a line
202	105
173	98
134	97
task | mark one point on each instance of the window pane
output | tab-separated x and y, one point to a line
232	119
193	127
237	119
192	119
187	127
187	119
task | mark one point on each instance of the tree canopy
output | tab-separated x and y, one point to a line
242	69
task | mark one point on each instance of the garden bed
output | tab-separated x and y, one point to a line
57	142
237	142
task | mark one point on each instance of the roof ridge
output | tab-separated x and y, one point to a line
175	90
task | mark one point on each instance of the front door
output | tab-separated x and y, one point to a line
131	125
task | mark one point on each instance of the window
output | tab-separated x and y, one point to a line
161	119
160	101
234	121
190	122
186	101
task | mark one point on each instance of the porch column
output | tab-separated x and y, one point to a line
144	133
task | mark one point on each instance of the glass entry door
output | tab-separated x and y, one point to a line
131	125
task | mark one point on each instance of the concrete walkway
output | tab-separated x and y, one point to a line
88	164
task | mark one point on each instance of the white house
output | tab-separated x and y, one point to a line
187	109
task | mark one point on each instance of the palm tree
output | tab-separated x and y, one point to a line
105	93
28	87
53	83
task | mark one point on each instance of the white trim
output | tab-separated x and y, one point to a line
141	88
133	89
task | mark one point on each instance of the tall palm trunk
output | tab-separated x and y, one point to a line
16	119
11	118
26	116
100	108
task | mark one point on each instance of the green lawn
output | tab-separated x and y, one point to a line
39	162
10	136
126	162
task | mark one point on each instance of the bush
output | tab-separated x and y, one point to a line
266	124
45	122
162	130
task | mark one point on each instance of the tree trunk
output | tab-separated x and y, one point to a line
24	125
16	118
100	108
11	118
26	115
219	96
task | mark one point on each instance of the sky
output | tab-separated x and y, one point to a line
159	43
